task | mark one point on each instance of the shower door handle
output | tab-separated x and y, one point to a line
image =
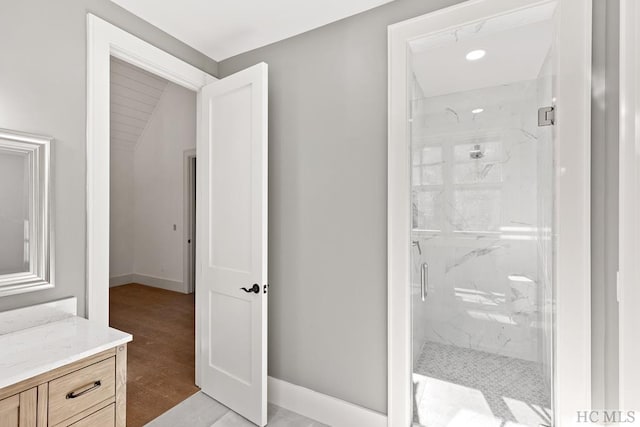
424	280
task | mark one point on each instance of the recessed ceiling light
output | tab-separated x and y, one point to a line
474	55
477	110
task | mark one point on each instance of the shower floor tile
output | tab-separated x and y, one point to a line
456	387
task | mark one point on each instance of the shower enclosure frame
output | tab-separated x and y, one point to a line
572	334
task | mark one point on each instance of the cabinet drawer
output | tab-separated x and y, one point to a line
80	390
105	417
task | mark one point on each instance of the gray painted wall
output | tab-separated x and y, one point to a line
327	178
328	202
43	90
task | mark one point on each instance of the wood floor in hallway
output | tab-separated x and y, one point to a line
161	358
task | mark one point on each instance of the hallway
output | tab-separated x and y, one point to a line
161	358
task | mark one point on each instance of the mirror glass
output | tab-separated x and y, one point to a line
25	230
14	212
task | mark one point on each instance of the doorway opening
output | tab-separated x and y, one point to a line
152	236
488	234
234	155
481	224
190	218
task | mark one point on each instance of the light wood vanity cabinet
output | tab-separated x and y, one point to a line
87	393
19	409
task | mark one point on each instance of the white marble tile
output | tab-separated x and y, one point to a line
231	419
487	213
453	386
277	417
280	417
474	297
35	315
200	410
30	352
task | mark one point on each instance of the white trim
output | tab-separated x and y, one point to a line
572	263
572	373
124	279
40	270
320	407
104	40
142	279
154	282
629	232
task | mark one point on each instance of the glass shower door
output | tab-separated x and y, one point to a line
482	186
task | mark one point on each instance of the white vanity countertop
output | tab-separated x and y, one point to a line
34	351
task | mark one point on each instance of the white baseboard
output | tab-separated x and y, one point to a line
156	282
320	407
121	280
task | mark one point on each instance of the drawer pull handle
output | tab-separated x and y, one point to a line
73	394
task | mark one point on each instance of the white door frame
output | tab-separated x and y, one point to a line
572	373
188	231
105	40
629	231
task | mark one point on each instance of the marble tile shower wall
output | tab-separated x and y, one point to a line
475	216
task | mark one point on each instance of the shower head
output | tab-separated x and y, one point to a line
476	153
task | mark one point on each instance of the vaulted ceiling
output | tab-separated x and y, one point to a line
224	28
134	96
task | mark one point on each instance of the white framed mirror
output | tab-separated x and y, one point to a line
26	262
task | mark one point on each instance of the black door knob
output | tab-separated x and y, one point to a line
255	289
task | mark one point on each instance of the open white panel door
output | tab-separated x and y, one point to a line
231	277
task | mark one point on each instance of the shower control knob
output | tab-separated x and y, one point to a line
255	289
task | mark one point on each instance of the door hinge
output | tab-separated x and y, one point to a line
546	116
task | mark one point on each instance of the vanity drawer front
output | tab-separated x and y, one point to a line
105	417
80	390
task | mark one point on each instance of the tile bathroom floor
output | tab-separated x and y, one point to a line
202	411
459	387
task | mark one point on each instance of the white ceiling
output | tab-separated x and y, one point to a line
224	28
134	96
516	47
